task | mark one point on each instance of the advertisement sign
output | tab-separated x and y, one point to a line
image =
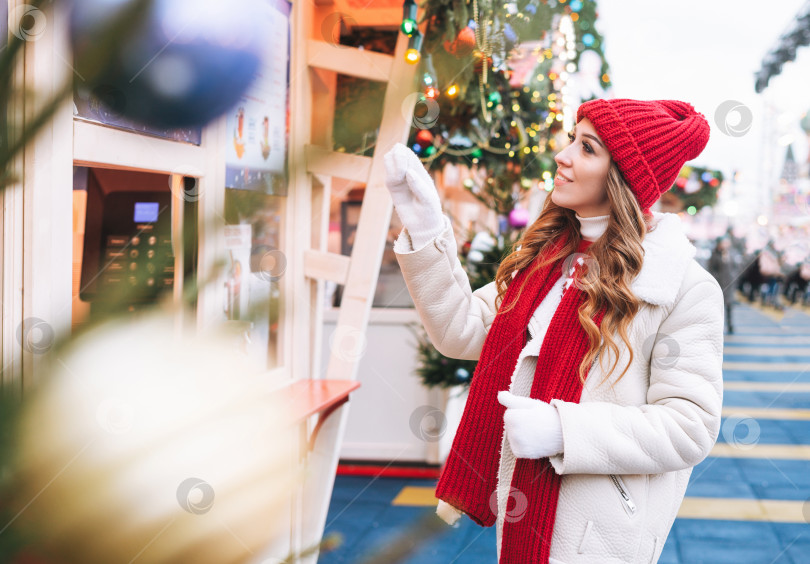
258	127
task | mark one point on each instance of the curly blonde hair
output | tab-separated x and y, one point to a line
617	254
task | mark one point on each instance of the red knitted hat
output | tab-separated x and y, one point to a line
649	140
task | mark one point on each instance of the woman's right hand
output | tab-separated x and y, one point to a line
414	194
448	513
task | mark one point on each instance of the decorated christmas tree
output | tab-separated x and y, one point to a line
497	83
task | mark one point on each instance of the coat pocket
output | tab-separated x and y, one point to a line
628	499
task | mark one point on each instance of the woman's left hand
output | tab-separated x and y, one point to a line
532	426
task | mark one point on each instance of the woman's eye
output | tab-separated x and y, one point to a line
587	147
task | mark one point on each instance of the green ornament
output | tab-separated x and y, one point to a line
430	151
494	97
477	153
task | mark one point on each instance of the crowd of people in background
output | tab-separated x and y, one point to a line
765	276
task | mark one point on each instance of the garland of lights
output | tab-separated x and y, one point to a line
696	187
466	69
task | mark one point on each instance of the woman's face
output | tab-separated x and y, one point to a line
582	170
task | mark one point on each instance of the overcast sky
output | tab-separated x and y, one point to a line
705	53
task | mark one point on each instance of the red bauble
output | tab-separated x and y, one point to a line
463	44
424	138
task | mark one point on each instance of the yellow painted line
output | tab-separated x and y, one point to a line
760	340
778	511
738	386
419	496
770	510
764	413
767	366
782	452
767	351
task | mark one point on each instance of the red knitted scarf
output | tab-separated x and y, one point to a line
469	477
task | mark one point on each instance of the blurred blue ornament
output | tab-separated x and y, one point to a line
503	224
531	9
417	148
462	375
706	176
510	35
471	24
576	5
182	64
588	39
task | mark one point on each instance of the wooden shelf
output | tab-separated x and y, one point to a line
316	397
309	397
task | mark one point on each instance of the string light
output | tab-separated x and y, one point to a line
452	90
408	26
413	55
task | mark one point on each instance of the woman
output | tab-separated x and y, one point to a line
770	267
720	266
575	460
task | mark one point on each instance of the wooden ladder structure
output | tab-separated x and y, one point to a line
313	79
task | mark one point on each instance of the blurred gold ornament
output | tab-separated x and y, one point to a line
149	447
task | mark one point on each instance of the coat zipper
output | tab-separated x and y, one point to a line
625	496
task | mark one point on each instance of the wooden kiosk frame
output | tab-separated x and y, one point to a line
37	246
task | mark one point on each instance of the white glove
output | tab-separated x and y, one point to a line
533	427
414	194
448	513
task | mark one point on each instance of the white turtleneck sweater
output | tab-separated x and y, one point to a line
591	229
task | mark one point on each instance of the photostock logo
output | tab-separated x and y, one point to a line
738	127
581	263
666	361
115	416
35	335
27	22
270	264
519	507
195	496
729	431
332	26
425	110
428	423
189	189
348	343
806	510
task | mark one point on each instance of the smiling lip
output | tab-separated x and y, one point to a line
560	179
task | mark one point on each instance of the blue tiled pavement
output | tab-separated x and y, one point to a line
362	513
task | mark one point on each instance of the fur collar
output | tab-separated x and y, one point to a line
667	254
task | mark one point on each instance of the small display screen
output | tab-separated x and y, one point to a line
146	212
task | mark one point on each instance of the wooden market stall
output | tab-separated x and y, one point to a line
83	160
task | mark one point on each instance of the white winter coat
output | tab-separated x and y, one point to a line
640	438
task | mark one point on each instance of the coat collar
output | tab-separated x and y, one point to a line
667	254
